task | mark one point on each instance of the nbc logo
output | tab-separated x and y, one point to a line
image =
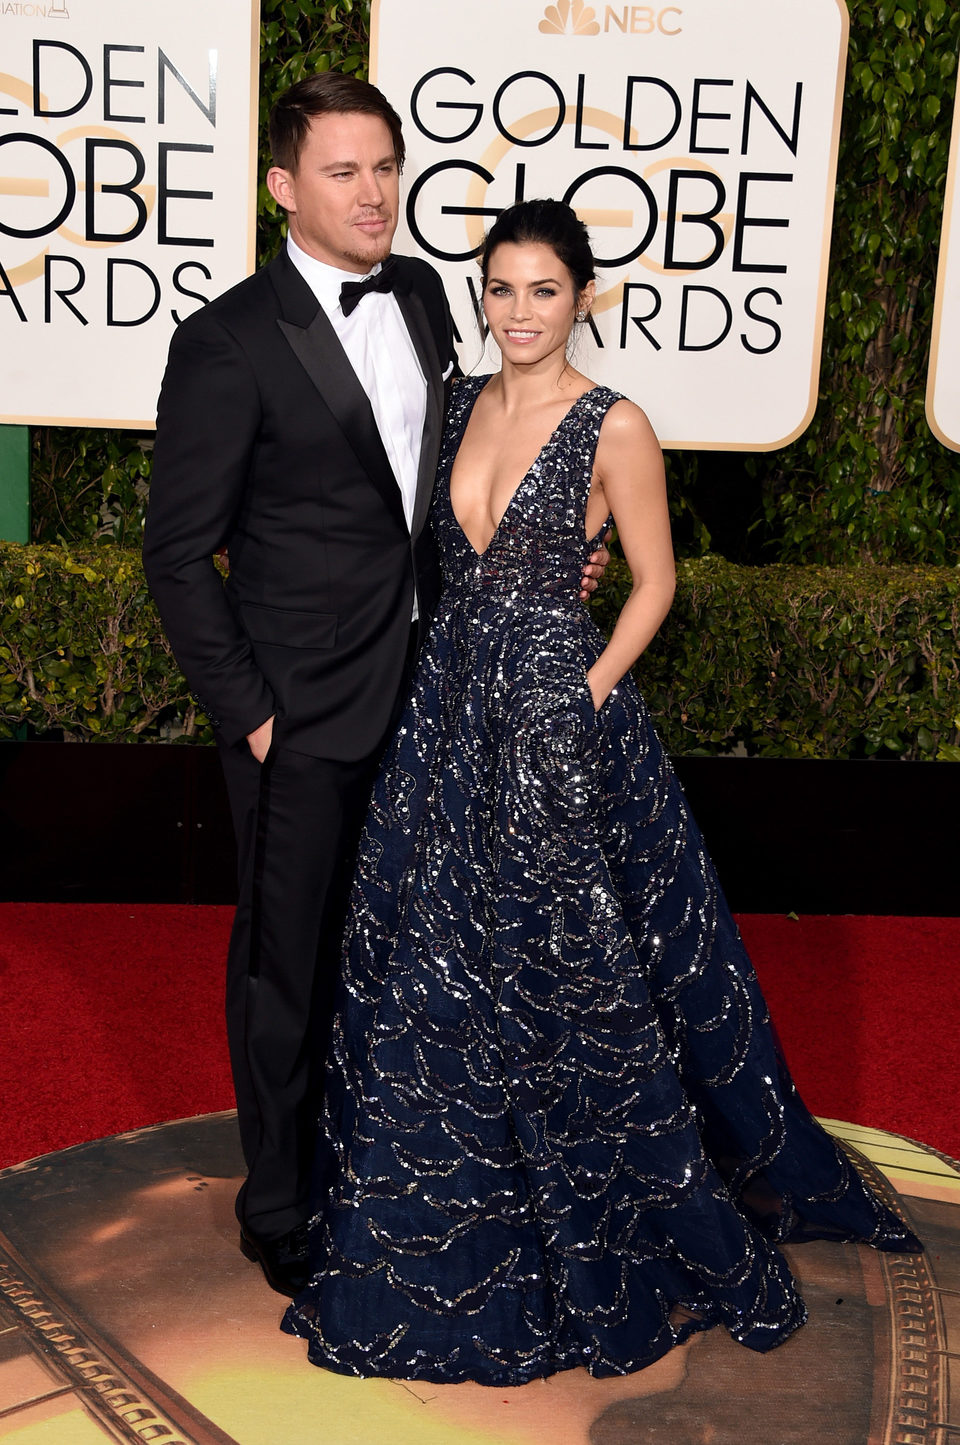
569	14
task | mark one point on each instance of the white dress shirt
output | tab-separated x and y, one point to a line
379	348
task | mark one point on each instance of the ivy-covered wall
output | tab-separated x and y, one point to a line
866	483
842	645
91	485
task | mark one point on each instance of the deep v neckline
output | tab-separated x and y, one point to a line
518	488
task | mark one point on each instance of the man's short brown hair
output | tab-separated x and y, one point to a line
330	93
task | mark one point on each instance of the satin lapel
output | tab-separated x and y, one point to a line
415	315
317	348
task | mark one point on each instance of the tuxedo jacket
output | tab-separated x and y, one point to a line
267	446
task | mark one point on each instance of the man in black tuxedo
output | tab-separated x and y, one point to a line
298	427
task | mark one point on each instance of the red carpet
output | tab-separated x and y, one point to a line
112	1019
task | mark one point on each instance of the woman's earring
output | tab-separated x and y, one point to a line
581	316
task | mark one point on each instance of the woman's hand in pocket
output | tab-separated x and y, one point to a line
599	697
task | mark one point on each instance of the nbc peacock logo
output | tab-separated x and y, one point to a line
569	15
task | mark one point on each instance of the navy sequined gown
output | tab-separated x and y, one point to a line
562	1132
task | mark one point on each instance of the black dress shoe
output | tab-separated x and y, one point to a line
284	1260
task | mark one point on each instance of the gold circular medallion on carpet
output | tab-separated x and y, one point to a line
127	1313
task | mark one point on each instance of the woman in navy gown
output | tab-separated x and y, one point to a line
558	1129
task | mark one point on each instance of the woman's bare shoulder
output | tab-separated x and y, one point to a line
627	425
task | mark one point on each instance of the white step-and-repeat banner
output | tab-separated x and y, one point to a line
943	378
127	193
697	140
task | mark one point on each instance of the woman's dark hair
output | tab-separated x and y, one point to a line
547	223
330	93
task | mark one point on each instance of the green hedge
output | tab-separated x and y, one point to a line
82	650
781	661
804	662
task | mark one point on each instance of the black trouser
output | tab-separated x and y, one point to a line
298	821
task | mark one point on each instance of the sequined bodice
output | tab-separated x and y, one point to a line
539	547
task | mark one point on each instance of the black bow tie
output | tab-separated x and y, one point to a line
384	280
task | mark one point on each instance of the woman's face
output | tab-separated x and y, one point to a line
530	301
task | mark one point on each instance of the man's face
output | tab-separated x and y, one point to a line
343	200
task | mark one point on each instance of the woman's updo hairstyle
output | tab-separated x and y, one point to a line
547	223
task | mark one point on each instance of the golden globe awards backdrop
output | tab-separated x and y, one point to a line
943	378
698	142
127	193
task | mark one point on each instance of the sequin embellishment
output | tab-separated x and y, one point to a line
558	1126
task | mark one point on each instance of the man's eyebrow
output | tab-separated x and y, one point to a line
390	159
